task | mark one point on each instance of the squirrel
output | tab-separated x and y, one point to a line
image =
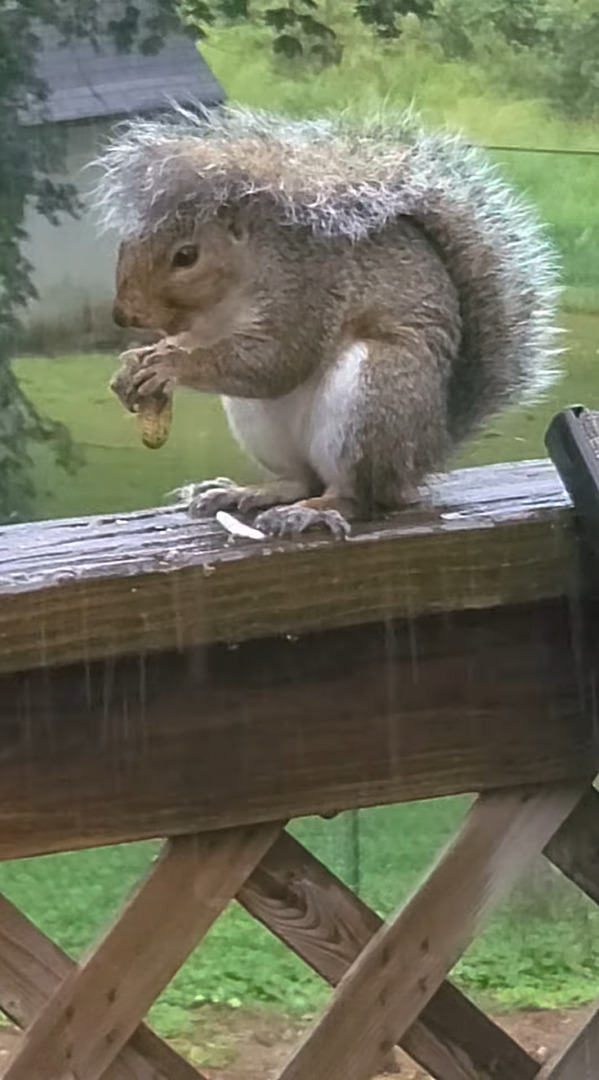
362	295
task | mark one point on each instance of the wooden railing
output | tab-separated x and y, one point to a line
158	679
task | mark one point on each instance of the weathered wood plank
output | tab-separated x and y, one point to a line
31	969
404	964
580	1059
207	739
575	847
317	916
99	1005
79	590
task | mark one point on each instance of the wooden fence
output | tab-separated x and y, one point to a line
158	680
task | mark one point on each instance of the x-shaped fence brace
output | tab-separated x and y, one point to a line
85	1021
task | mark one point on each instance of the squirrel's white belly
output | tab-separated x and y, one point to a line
304	432
272	431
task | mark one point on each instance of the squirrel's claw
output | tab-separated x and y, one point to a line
191	497
145	372
191	490
205	500
289	521
208	497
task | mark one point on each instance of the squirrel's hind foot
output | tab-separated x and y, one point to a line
291	520
303	517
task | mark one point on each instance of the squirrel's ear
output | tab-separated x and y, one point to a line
235	221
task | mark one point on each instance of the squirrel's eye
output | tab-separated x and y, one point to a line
186	255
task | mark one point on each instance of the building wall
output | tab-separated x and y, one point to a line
73	266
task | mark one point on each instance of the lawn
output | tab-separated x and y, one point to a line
541	950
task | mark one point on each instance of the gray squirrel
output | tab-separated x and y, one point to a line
363	295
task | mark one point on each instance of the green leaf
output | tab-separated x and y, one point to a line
280	17
287	45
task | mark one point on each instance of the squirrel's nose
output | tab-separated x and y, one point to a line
121	318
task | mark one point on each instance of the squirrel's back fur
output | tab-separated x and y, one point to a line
343	177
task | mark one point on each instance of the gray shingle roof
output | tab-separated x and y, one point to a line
86	83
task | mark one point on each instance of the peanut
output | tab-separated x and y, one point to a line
154	417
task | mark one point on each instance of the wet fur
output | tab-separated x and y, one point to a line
365	297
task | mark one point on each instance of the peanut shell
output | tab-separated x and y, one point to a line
154	418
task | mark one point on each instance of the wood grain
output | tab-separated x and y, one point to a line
404	964
32	968
98	1006
320	919
119	751
580	1059
135	748
102	587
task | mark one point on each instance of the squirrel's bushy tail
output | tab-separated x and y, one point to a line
505	270
344	177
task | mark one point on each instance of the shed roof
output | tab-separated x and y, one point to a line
86	82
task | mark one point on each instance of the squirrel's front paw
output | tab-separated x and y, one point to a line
292	520
147	372
210	496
